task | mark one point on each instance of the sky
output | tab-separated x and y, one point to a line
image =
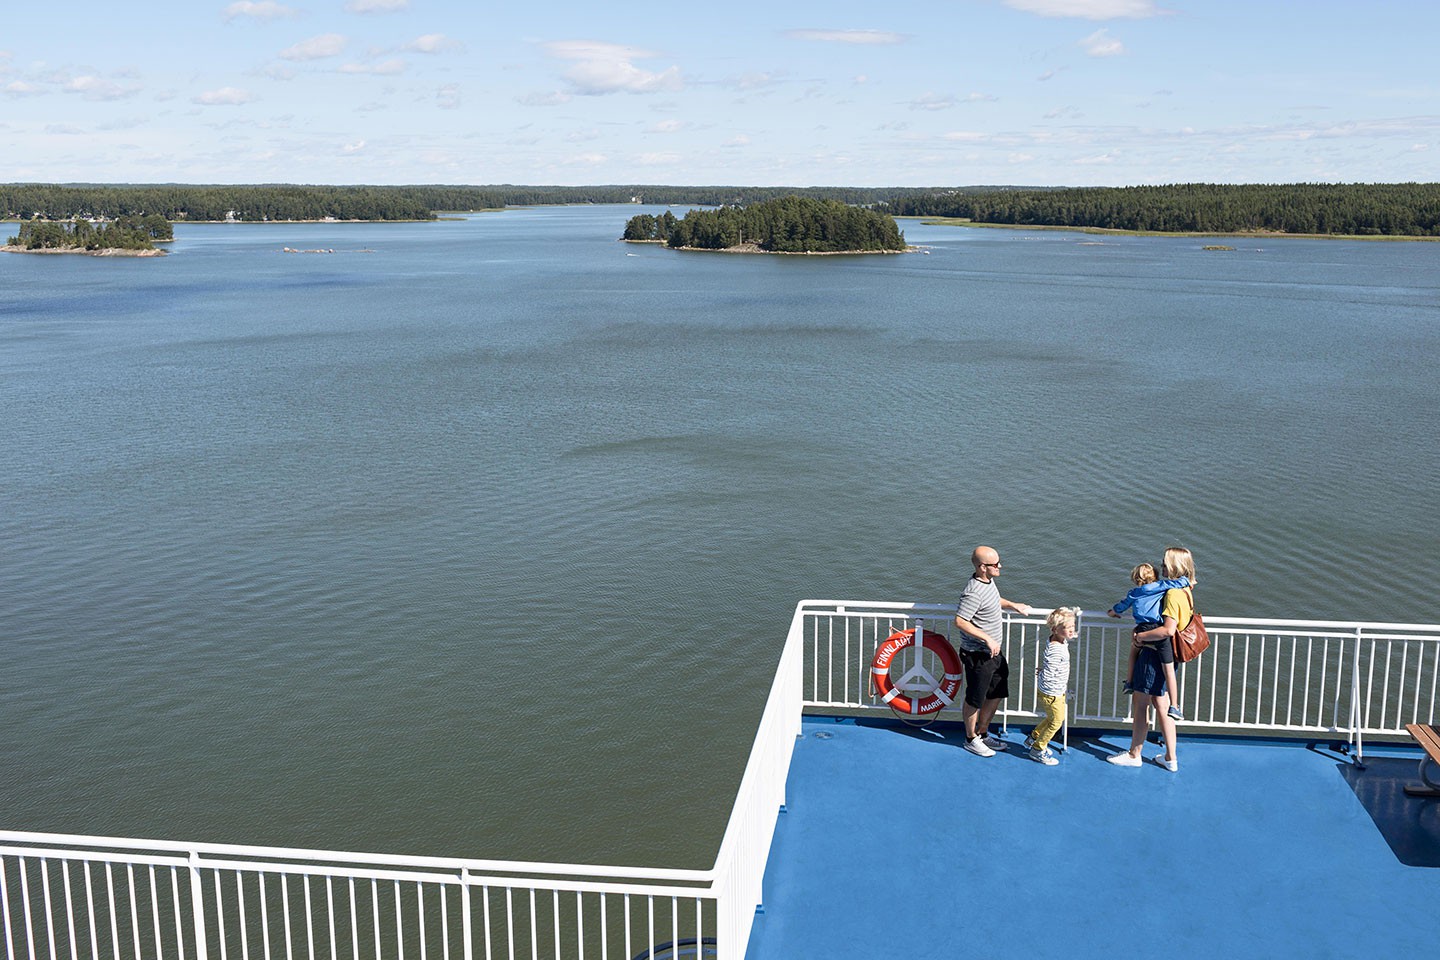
784	93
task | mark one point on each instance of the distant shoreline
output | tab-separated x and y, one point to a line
1248	235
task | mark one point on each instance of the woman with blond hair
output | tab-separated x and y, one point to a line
1148	677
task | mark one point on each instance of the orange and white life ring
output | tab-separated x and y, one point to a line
942	692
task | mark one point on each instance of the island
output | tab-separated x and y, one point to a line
124	236
792	224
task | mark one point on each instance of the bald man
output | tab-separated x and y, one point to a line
987	675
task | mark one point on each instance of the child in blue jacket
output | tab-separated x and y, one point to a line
1144	604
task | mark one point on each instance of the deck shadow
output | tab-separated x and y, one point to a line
1410	825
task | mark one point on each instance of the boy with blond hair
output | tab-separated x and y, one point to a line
1053	677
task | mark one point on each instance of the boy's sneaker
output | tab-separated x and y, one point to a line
1044	756
1123	759
1159	760
996	744
1029	740
1175	713
978	747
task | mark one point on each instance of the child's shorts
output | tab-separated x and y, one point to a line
1165	647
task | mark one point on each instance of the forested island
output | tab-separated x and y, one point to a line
1356	209
792	224
135	235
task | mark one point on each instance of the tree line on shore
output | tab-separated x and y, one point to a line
263	202
791	224
124	233
1399	209
1360	209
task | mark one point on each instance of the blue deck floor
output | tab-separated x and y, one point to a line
899	843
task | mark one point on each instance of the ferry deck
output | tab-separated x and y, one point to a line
898	842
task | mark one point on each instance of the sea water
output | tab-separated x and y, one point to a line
480	537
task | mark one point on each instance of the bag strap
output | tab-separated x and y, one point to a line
1190	592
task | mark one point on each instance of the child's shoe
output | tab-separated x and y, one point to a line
1175	713
1044	756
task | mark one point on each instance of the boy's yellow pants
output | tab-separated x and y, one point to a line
1054	717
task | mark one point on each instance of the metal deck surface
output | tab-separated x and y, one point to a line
898	842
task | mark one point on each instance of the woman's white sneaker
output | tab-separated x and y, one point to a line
1123	759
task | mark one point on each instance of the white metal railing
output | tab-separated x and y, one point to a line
1283	677
107	898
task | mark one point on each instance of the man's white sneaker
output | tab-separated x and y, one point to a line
1123	759
1172	765
978	747
995	743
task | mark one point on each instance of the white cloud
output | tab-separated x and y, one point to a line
377	6
1102	158
657	159
551	99
355	147
603	68
63	129
1089	9
224	97
870	37
584	160
739	140
1019	157
263	10
448	97
933	101
757	80
385	68
98	88
965	136
316	48
432	43
668	126
583	136
1101	44
19	88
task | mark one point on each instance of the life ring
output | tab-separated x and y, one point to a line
943	693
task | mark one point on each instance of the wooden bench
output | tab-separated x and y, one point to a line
1428	736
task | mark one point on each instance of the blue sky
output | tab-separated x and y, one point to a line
1046	92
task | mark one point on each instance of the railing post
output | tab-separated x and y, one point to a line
1357	737
465	922
197	907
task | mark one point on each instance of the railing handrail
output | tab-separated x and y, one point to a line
231	856
867	607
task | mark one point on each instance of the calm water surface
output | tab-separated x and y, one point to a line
480	537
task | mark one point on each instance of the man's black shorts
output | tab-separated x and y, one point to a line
986	677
